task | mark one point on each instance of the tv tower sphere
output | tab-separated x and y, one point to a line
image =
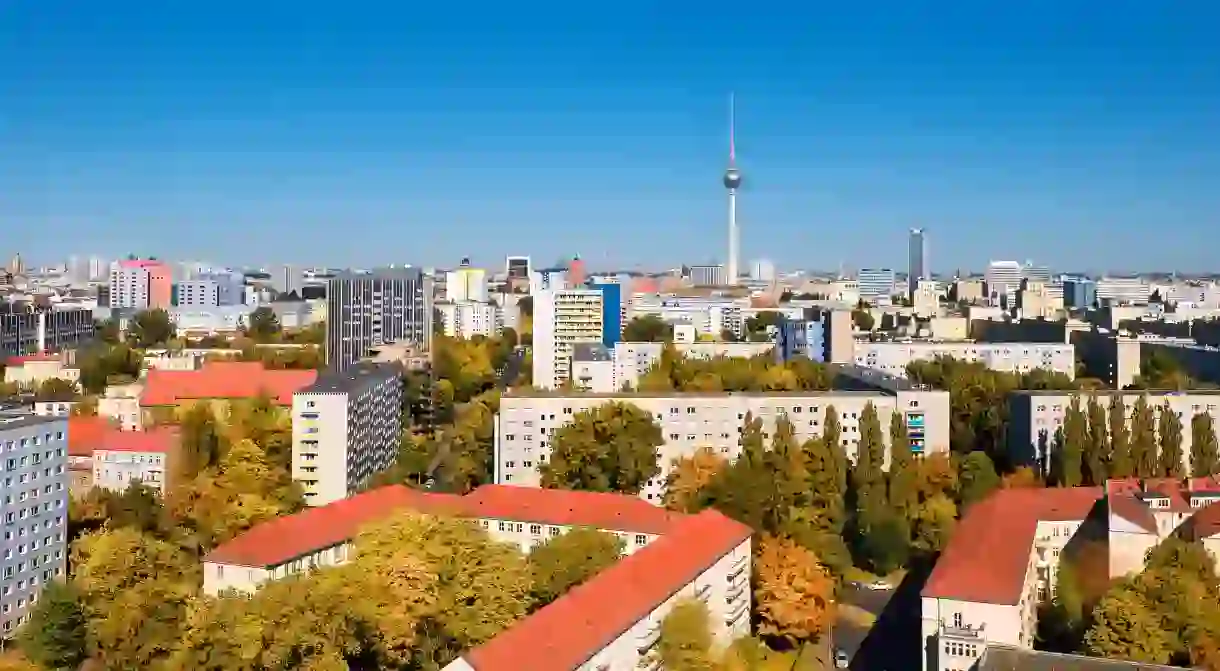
732	179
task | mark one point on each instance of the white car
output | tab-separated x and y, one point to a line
841	659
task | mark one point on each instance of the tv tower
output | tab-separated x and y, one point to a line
732	181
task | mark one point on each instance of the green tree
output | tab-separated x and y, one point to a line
885	542
689	476
263	325
1122	462
1143	439
611	448
933	525
108	331
832	436
1066	459
1125	628
900	474
648	328
1097	449
151	328
863	319
868	476
1204	452
57	390
978	478
1169	435
201	441
54	635
1062	620
567	560
685	641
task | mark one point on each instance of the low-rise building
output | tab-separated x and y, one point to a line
467	319
1009	357
166	390
346	428
32	370
600	370
612	621
124	458
35	511
121	403
690	420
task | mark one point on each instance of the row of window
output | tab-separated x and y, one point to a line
11	445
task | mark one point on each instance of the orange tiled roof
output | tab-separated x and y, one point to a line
41	356
85	434
566	633
314	529
224	380
155	439
1133	510
988	557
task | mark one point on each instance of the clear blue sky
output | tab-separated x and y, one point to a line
1080	134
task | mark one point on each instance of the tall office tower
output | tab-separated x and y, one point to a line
732	182
549	279
1035	273
346	427
286	279
35	508
563	318
370	309
466	284
576	272
709	276
875	284
517	267
98	268
917	259
1003	279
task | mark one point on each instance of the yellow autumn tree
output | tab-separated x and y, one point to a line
792	590
688	475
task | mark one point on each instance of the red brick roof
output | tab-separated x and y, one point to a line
286	538
224	380
155	439
1133	510
988	557
85	434
569	631
41	356
568	508
1203	524
282	539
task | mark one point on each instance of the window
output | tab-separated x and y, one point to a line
957	619
641	539
536	529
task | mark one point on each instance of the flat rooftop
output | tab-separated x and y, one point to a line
21	420
357	376
560	393
1114	392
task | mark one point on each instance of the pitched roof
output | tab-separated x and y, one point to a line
988	557
568	508
1133	510
285	538
224	380
281	540
155	439
85	434
569	631
1203	524
22	360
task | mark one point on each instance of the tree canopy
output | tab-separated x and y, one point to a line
610	448
648	328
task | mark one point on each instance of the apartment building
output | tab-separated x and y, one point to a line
197	294
690	420
346	428
821	334
563	319
1009	357
123	458
1035	416
709	315
667	556
35	510
466	319
601	370
466	284
876	285
26	329
1122	291
1004	557
368	310
141	284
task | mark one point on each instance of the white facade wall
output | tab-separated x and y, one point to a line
526	423
468	319
118	469
129	287
122	403
34	372
1008	357
631	360
563	318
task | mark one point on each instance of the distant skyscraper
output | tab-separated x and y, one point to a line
1003	278
875	283
286	279
1035	273
917	259
732	182
762	270
368	310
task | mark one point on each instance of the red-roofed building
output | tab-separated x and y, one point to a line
84	436
223	380
1004	557
126	457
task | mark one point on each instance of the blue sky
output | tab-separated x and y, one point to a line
1079	134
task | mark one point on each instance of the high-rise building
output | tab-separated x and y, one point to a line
1034	273
1079	292
370	309
141	284
1003	280
549	279
562	319
576	272
875	284
197	294
709	276
465	283
230	286
613	311
35	508
286	279
732	182
346	428
25	329
1123	291
917	258
518	267
98	268
762	270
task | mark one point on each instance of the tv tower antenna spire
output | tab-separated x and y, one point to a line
732	181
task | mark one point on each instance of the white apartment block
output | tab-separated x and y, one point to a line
1034	416
689	421
563	318
346	428
35	458
709	316
667	557
597	370
466	284
123	458
1123	291
1004	556
121	402
129	287
466	319
1007	357
30	371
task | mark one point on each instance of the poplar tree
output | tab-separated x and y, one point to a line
1068	453
901	473
1143	439
1097	449
868	477
1169	435
832	436
1204	452
1121	464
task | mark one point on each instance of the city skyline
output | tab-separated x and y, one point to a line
443	133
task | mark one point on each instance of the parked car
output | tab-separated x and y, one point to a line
841	659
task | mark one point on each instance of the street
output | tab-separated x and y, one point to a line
892	644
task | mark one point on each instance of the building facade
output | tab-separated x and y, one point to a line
917	258
466	284
467	319
35	510
346	428
1008	357
689	421
367	310
708	275
613	311
876	284
26	330
141	284
1002	280
197	294
563	319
